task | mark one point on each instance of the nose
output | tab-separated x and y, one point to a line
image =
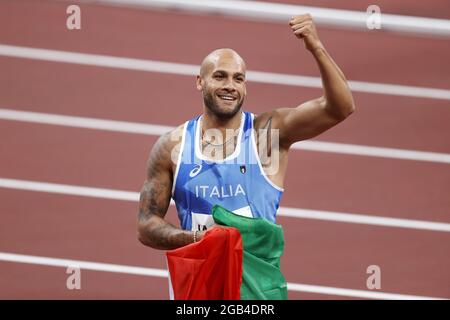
228	85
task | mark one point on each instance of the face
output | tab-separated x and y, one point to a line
223	86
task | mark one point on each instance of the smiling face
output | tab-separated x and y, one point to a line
222	82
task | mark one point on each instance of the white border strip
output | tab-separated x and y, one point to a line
192	70
282	211
232	156
152	272
279	12
157	130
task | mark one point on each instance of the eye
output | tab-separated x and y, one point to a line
218	76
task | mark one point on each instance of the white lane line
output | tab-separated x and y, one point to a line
363	219
69	189
282	211
87	265
84	122
279	12
192	70
369	151
365	294
152	272
157	130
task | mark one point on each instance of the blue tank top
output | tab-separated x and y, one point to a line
237	182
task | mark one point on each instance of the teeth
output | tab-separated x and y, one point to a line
227	97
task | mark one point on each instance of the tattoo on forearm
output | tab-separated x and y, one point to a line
155	200
152	200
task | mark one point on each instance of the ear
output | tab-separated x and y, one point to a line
199	83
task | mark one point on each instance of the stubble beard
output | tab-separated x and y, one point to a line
219	112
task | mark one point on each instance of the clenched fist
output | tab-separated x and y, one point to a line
304	28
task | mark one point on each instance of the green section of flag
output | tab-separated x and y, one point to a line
263	244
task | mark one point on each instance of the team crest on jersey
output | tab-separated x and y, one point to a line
243	169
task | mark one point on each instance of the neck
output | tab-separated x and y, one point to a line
210	121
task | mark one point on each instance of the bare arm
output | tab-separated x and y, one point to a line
153	230
313	117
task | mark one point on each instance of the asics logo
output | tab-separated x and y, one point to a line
195	171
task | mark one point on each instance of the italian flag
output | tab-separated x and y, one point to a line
239	262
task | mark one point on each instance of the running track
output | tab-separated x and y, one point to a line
96	229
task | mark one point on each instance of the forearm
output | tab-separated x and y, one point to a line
337	93
159	234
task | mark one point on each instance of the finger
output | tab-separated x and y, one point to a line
302	32
296	21
300	25
300	18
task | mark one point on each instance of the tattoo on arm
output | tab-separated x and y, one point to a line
153	230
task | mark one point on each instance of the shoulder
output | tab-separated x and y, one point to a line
270	119
265	122
260	120
165	150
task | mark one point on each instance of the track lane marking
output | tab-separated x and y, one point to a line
281	12
282	211
157	130
153	272
193	70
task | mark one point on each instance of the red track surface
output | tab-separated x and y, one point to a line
317	252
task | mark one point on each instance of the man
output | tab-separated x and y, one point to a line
210	166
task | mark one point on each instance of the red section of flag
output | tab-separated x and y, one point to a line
210	269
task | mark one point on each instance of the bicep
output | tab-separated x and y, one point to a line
156	190
154	198
303	122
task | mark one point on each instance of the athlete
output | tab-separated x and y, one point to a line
230	157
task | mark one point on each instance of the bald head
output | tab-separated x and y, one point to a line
222	57
222	83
